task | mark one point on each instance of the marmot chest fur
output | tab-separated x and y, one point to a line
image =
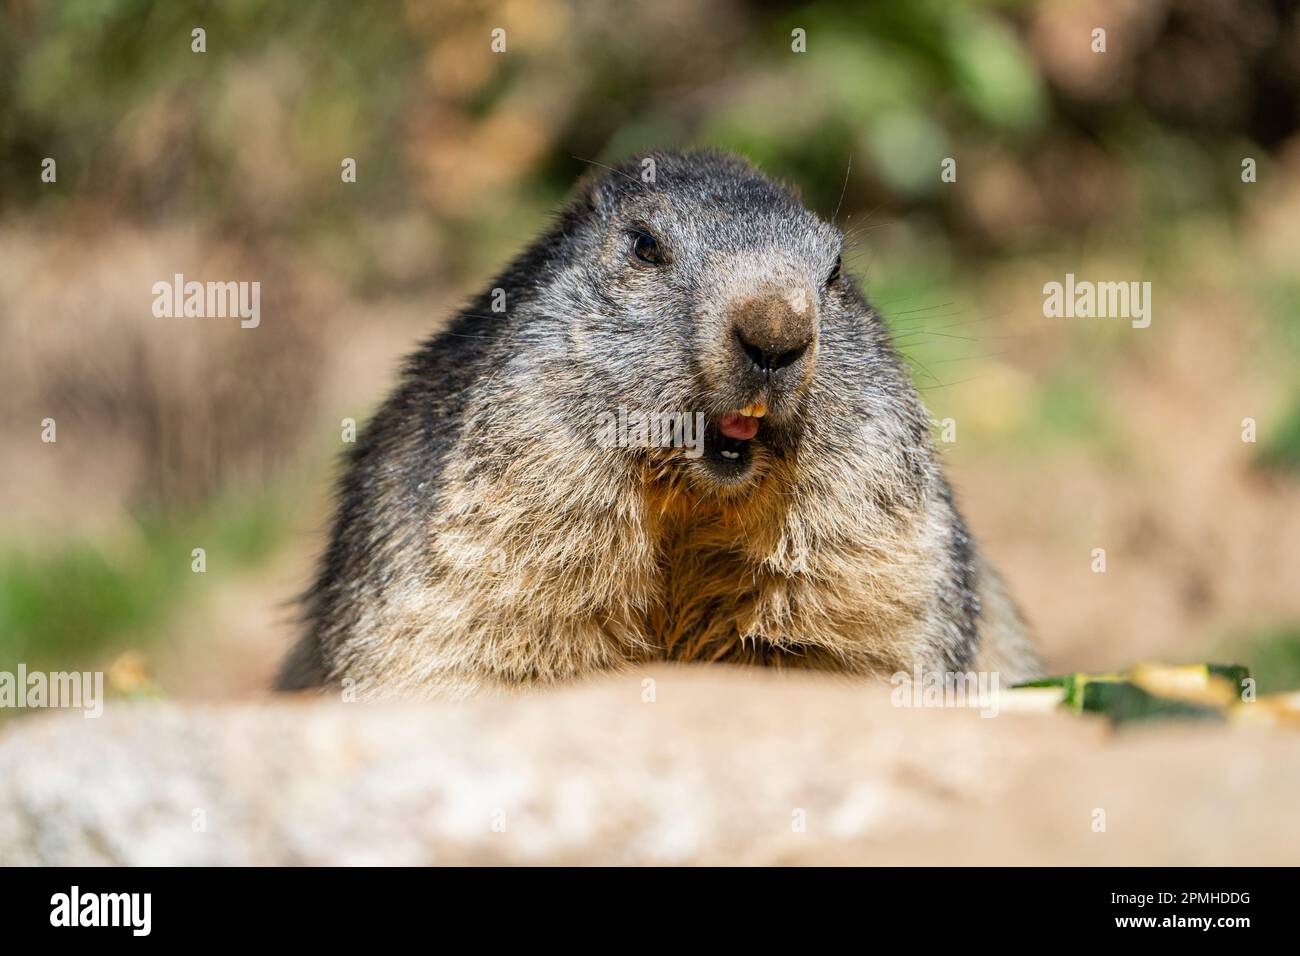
673	428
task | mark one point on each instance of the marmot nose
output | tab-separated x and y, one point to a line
773	333
769	361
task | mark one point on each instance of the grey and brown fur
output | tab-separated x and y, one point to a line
483	539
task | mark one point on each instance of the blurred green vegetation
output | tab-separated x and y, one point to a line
1274	653
1280	298
1281	448
250	134
82	599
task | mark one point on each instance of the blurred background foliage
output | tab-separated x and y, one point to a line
1072	434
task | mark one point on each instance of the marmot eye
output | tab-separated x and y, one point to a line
835	271
646	248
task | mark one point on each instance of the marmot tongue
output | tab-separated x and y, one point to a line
737	426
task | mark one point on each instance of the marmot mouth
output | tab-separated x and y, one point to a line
727	440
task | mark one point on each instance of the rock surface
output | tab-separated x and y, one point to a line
723	767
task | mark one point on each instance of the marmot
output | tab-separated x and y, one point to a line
487	536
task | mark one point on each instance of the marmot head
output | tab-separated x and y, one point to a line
691	283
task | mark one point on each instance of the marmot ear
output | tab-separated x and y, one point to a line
592	193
